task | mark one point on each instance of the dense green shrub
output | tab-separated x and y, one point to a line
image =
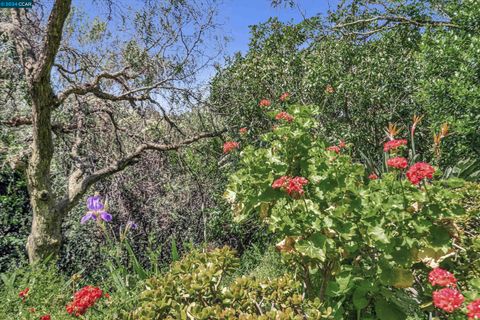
356	243
194	288
467	232
15	219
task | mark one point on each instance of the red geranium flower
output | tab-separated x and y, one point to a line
335	149
284	96
474	310
295	186
448	299
441	277
23	294
84	299
338	148
243	130
264	103
31	310
229	146
284	116
281	182
394	144
420	171
373	176
45	317
397	162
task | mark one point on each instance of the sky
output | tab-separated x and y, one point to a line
238	15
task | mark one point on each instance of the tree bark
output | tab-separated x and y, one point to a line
45	236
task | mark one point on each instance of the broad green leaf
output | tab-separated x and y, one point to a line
378	234
388	311
313	247
360	300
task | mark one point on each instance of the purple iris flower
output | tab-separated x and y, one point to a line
95	207
132	225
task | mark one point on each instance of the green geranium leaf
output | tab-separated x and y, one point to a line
314	247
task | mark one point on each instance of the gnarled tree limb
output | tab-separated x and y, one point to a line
79	182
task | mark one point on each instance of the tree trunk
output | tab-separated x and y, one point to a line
45	236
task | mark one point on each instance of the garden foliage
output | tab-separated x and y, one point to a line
357	242
194	288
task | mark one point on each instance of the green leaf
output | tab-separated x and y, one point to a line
388	311
314	247
378	234
359	298
174	251
341	284
137	266
403	255
439	236
402	278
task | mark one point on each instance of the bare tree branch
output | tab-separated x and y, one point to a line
25	121
79	184
399	20
23	45
53	36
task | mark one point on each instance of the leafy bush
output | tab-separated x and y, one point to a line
356	243
15	219
194	288
467	262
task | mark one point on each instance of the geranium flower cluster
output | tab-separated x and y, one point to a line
397	163
229	146
474	310
373	176
284	97
264	103
83	299
284	116
442	278
394	144
292	185
420	171
23	294
338	148
335	149
449	298
416	173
